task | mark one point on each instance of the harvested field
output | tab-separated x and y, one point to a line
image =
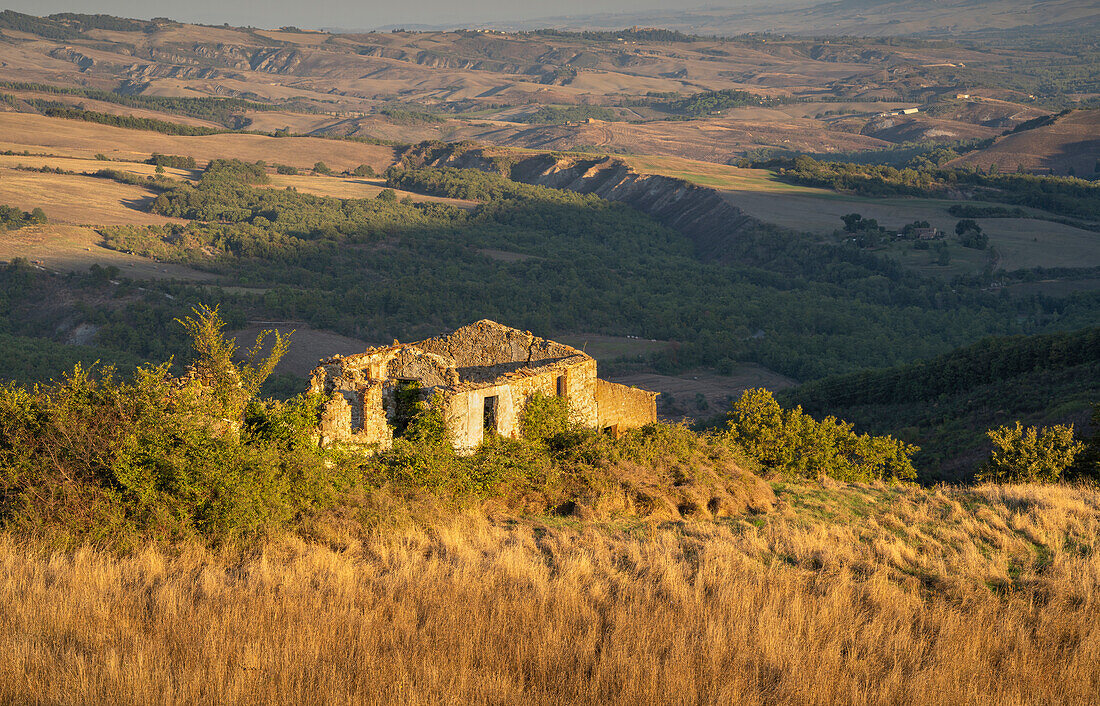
84	165
21	131
717	140
1071	143
718	176
307	345
74	248
1016	243
610	347
114	108
1055	287
78	200
353	188
819	210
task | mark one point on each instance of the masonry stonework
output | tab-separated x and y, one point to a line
484	373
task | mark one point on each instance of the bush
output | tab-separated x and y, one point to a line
108	460
795	443
1030	454
11	217
544	417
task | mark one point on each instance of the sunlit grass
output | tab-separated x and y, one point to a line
843	594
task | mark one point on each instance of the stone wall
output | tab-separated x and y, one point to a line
477	362
429	369
487	343
465	408
622	407
355	417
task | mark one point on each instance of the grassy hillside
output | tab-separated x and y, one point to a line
849	594
1068	145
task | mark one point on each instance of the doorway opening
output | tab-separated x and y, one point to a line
405	397
489	418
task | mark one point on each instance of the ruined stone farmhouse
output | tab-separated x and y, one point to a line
484	373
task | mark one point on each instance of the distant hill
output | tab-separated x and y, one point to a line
643	90
867	18
1068	145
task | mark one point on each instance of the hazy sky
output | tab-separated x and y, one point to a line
340	13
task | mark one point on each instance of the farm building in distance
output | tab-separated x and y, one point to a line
926	233
484	373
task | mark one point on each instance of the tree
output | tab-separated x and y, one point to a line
967	224
970	234
1030	454
322	168
233	384
851	222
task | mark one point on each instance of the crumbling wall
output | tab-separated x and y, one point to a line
355	417
487	343
335	423
429	369
374	427
465	410
621	407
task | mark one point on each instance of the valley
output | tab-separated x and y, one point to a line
678	356
692	131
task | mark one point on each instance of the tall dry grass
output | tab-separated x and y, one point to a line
847	594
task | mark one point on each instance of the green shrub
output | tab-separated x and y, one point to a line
792	442
1030	454
544	417
109	460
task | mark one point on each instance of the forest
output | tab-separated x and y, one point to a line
380	266
948	401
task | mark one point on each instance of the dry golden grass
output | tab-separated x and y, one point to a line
353	188
77	199
76	248
85	165
850	595
36	133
